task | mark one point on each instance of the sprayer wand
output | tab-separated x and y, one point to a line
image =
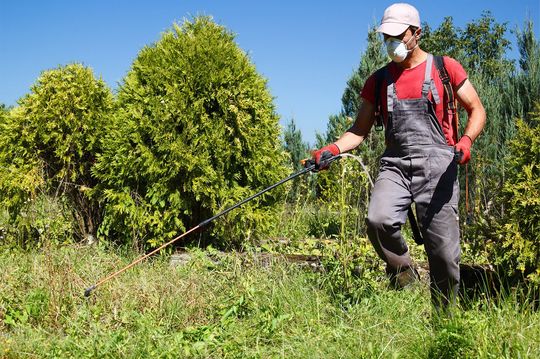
310	166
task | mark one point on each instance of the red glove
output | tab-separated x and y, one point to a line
464	147
333	149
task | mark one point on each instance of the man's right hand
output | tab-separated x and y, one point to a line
463	150
323	154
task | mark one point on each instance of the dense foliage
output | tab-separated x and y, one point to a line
49	143
195	132
519	230
481	46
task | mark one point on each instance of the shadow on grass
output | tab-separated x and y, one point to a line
484	283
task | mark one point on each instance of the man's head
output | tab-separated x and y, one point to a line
400	25
398	18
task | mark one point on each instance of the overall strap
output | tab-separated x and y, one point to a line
429	84
445	79
379	75
391	95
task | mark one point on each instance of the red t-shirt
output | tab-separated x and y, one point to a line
408	84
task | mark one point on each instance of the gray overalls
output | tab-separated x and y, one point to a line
417	166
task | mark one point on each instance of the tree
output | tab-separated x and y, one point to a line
297	150
517	245
480	47
505	100
485	47
445	40
527	45
294	145
527	81
50	141
506	95
195	132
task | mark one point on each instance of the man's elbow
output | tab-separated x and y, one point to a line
356	130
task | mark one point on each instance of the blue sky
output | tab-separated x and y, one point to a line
306	49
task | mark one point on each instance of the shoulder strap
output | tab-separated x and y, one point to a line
379	76
450	104
451	101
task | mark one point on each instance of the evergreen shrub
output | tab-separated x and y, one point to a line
195	132
49	142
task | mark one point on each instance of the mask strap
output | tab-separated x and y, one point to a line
412	37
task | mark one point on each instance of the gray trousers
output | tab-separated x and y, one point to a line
427	177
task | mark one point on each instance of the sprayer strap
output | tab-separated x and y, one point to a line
379	76
445	78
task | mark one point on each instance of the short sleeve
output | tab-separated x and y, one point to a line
368	91
455	71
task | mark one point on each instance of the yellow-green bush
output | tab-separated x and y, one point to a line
48	143
519	231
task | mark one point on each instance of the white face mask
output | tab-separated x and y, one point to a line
397	49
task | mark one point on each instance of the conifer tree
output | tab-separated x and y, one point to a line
49	143
195	132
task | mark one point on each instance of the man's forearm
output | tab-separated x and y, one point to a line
359	130
475	123
349	141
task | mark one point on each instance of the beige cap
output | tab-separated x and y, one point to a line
397	18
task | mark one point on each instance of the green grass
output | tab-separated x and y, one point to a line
238	307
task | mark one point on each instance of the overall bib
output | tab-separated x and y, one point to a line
417	166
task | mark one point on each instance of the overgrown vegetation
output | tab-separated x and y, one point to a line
235	306
193	130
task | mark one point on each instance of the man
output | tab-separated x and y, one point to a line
422	152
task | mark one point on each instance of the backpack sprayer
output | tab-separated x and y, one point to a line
309	166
